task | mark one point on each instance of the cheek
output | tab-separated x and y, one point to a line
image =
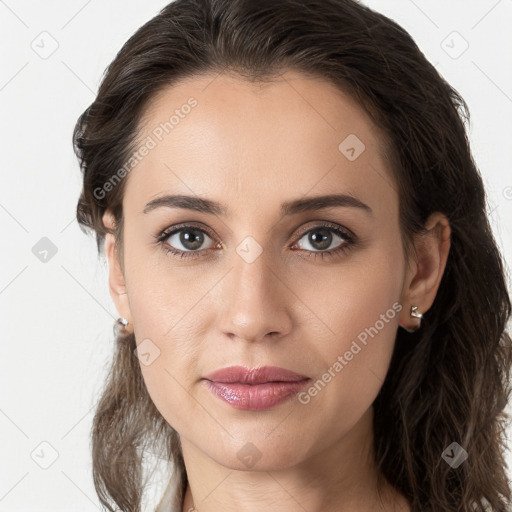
359	311
163	329
170	376
352	296
158	295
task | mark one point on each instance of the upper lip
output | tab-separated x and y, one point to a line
244	375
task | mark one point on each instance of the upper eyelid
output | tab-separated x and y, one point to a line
329	225
176	229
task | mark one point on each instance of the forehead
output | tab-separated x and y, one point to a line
222	137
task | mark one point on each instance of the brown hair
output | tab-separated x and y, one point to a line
447	382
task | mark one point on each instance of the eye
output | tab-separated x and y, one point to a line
320	239
187	241
181	240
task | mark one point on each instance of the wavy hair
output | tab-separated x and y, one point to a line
449	381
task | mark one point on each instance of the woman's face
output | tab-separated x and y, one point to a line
270	277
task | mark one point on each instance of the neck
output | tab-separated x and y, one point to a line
343	477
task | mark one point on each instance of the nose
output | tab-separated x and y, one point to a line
256	301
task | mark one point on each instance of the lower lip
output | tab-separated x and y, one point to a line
255	397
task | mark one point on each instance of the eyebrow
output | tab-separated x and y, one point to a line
208	206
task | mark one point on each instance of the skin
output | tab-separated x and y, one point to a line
252	147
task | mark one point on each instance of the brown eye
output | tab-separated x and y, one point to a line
319	241
320	238
190	239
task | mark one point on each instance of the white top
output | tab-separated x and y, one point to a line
171	501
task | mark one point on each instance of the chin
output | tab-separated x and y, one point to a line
261	455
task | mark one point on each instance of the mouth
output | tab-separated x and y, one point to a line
256	388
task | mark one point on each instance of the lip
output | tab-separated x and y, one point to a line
261	375
256	388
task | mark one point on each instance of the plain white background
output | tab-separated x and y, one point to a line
57	316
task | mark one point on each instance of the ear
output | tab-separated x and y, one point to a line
116	280
426	269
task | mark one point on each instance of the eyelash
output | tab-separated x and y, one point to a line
349	241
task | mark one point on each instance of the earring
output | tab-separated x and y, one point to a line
120	327
415	313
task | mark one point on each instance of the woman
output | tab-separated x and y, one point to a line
312	304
